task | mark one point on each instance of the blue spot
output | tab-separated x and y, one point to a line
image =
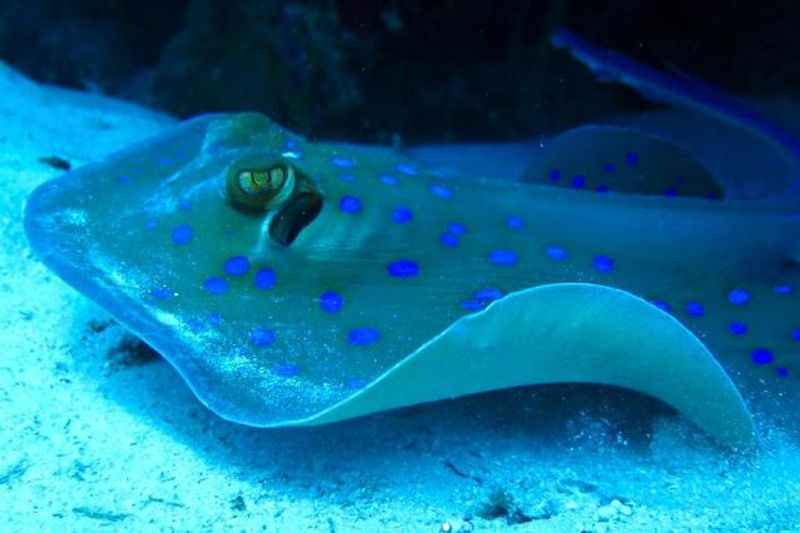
347	177
796	335
761	356
331	302
402	215
161	293
182	234
363	336
737	328
215	319
671	192
448	239
124	179
783	289
557	253
738	297
286	370
579	181
195	325
602	189
555	175
514	223
456	228
406	169
237	266
403	268
151	223
662	304
695	309
184	204
782	372
389	180
632	159
609	167
473	305
215	285
350	204
264	279
343	162
356	383
262	337
488	294
503	257
603	263
441	191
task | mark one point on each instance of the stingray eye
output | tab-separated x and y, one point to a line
256	189
298	212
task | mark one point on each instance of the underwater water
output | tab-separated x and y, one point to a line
222	324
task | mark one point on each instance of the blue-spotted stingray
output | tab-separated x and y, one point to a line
297	283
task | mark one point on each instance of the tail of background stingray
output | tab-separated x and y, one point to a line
754	159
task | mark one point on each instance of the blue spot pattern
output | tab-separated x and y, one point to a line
182	235
579	181
264	279
603	263
662	304
514	223
406	169
215	285
796	335
262	337
555	175
389	180
286	370
782	372
237	266
557	253
783	289
363	336
481	298
342	162
350	205
695	309
356	383
609	168
214	319
402	215
331	302
502	257
632	159
738	297
441	191
403	268
161	293
761	356
448	239
456	228
737	328
488	294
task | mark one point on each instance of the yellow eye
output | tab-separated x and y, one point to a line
257	188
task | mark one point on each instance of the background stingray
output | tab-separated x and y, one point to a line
269	333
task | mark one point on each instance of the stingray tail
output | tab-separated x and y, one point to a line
693	94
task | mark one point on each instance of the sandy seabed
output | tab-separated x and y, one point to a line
98	434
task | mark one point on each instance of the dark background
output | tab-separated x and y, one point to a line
417	71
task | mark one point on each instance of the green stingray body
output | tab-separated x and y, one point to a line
370	308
